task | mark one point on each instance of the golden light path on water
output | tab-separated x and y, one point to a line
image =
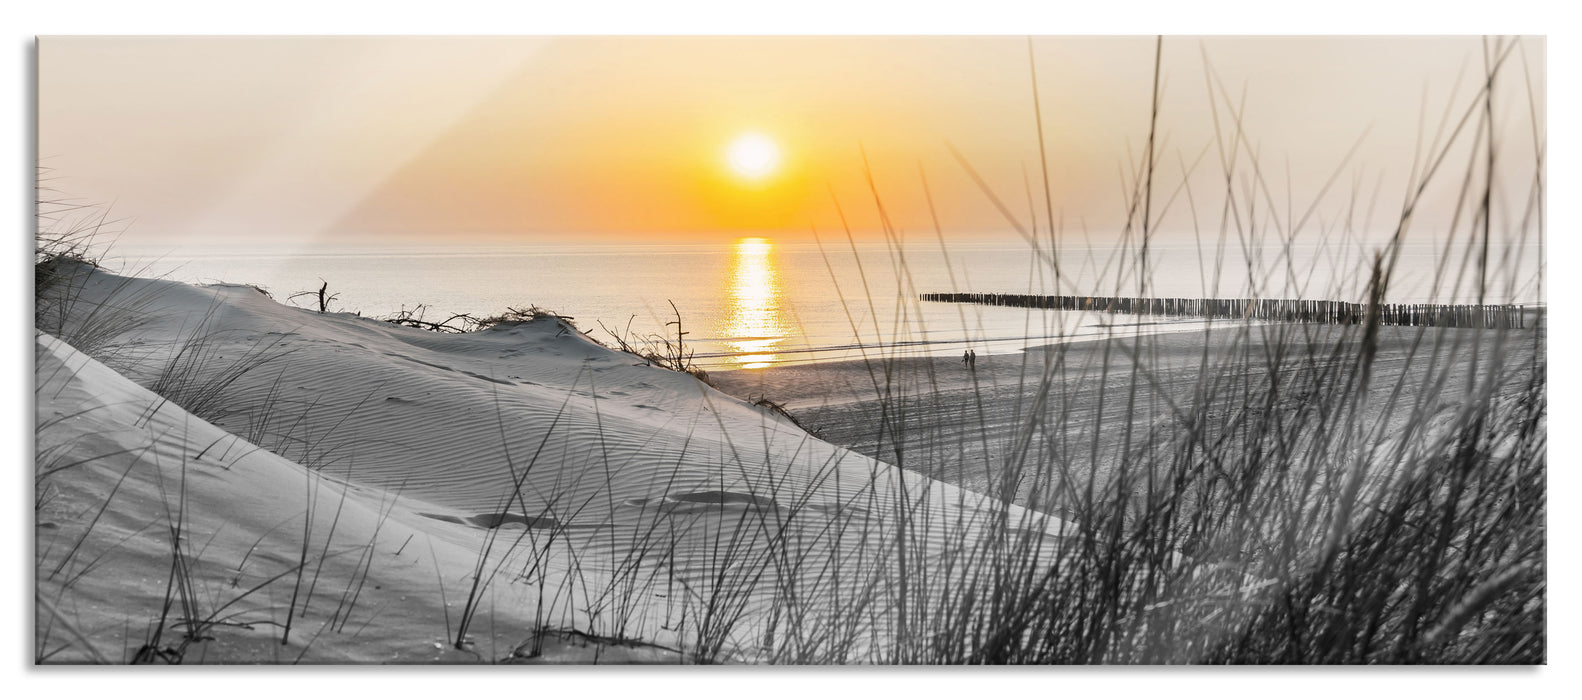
755	325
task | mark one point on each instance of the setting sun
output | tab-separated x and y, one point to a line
777	349
754	155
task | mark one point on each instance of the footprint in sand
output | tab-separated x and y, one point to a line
475	375
706	501
490	521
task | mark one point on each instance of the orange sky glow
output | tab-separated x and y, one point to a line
628	138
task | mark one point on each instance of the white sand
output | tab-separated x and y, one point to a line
650	508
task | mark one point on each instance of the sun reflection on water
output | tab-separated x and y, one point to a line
754	326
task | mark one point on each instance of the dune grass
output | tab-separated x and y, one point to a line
1292	500
1289	505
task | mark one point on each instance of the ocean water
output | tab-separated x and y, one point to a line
756	302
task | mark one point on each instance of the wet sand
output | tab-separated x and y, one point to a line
1092	404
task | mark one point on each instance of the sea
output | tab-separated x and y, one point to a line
756	302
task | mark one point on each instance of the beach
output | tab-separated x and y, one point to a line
224	478
790	350
960	425
236	480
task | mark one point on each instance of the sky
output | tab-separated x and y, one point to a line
150	216
500	139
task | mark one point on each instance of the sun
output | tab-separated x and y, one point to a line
753	155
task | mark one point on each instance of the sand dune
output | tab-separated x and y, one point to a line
393	487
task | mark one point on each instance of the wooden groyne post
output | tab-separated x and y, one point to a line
1290	310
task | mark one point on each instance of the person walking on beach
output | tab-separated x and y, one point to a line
972	360
966	358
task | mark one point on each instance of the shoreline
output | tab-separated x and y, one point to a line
420	453
935	417
447	464
944	349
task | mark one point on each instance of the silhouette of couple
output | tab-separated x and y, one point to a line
969	359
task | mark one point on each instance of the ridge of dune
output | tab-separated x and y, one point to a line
522	481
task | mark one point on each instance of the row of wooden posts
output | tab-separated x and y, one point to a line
1297	310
